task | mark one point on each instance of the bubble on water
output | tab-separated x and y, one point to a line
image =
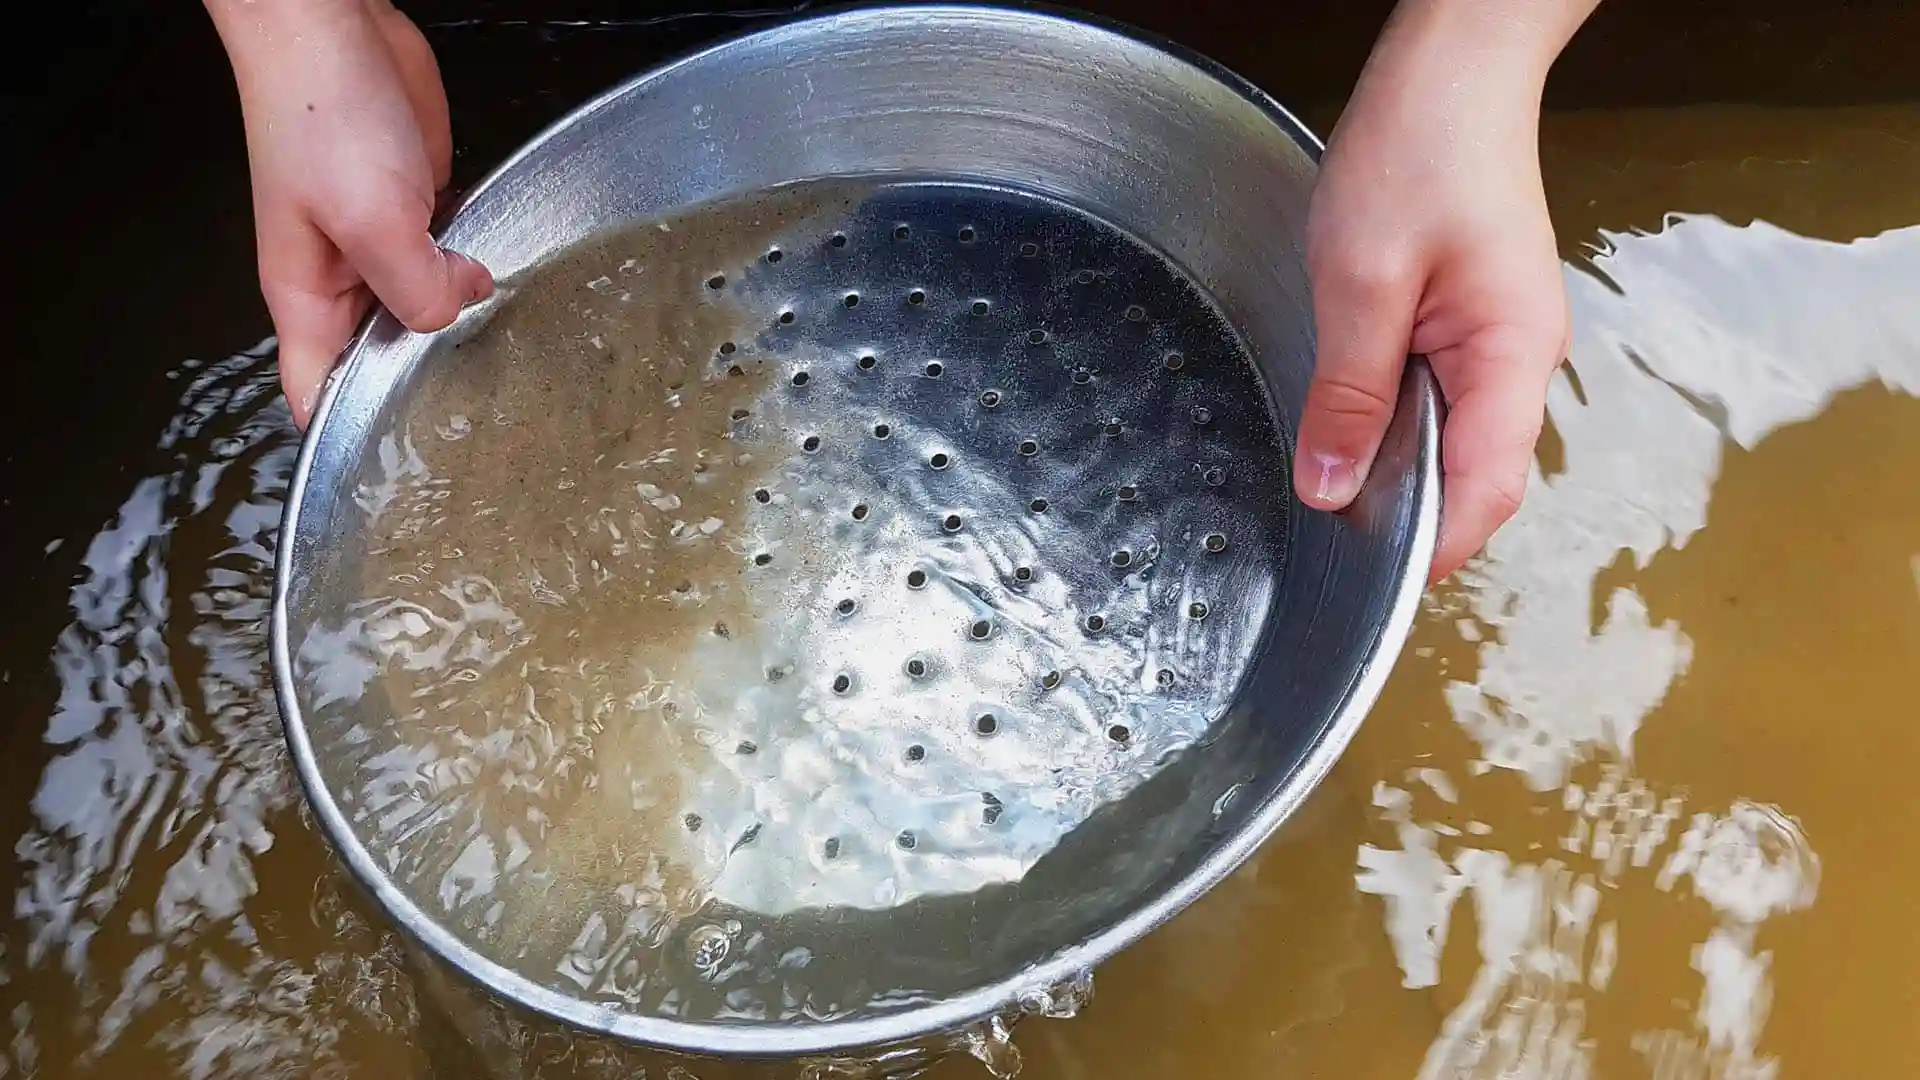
1072	996
1225	802
991	1043
1062	1001
1751	863
707	948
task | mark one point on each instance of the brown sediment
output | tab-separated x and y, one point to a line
593	450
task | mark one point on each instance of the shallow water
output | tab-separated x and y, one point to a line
1637	802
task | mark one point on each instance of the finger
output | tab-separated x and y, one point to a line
1493	421
1362	322
313	298
312	326
423	285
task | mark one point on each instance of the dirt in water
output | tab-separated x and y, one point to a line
1637	802
580	450
563	590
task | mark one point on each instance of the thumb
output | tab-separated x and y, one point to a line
1362	322
422	284
1496	407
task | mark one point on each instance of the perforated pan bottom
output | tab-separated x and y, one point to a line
754	580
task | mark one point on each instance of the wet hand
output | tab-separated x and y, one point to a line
1429	235
349	145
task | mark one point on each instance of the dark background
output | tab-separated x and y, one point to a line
127	231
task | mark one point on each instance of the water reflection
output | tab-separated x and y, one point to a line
1698	340
169	902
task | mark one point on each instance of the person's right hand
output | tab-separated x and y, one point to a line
349	145
1429	234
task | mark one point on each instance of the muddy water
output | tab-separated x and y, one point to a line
1637	803
500	708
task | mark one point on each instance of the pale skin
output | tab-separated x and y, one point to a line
1428	234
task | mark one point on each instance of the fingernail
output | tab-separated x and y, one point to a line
309	401
480	281
1338	480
